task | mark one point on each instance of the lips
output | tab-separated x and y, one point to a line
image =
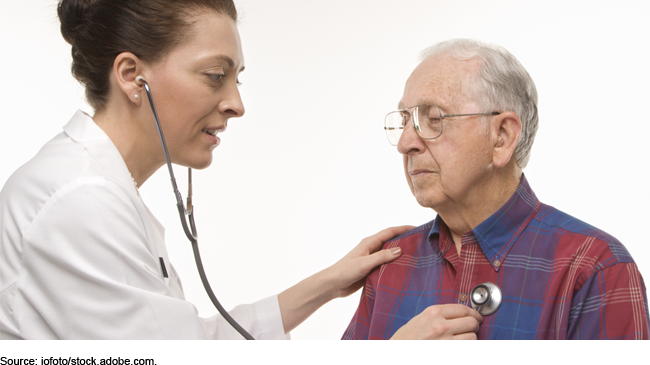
419	172
213	131
211	134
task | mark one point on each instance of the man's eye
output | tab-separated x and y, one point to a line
405	119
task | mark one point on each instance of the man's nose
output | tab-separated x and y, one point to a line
409	142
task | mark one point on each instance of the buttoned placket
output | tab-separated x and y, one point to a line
465	266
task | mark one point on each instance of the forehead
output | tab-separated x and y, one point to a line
212	36
439	80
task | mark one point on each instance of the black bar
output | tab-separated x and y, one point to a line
162	265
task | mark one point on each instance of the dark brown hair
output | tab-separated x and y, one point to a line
99	30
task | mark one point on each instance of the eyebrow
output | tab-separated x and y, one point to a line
427	101
401	106
228	60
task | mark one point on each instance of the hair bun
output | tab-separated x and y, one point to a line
73	15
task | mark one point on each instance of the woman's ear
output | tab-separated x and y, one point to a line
126	68
507	129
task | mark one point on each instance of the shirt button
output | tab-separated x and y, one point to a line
463	298
497	263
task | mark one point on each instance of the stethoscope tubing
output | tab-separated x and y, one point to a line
190	231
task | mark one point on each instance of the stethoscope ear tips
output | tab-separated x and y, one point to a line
486	298
139	80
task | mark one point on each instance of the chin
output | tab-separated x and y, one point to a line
202	165
428	200
198	164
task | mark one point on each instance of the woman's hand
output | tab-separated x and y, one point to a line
349	273
339	280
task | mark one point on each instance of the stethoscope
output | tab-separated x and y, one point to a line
486	298
189	229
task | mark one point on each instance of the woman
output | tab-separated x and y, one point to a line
82	256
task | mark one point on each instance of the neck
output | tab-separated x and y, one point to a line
480	203
134	139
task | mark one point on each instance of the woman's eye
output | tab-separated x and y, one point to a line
217	77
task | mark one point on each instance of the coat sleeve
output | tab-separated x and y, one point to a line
612	304
89	274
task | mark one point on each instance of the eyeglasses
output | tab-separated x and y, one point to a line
427	120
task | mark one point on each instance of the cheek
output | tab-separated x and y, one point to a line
443	156
465	162
406	173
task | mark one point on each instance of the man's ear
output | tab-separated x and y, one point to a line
506	129
126	68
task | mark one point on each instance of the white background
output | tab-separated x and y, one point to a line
308	172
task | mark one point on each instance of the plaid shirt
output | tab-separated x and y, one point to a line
560	277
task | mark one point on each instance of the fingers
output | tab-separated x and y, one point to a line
381	257
376	241
432	324
476	315
451	311
465	336
463	325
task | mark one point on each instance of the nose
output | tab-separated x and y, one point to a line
232	105
409	142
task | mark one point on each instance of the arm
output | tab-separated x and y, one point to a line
339	280
90	273
611	304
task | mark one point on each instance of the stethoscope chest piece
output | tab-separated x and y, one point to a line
486	298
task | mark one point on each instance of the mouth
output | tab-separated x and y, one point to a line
213	131
419	172
212	134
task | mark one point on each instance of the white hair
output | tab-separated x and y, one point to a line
501	84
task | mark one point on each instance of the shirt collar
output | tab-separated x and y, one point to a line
498	233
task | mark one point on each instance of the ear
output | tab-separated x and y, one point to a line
126	68
506	129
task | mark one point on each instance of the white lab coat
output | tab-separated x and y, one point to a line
79	254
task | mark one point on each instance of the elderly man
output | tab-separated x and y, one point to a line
466	125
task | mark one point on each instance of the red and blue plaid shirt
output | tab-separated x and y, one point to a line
560	277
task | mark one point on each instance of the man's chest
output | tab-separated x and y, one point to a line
536	295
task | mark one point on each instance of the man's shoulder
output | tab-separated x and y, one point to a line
415	232
412	237
556	220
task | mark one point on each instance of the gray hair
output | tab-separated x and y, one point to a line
501	84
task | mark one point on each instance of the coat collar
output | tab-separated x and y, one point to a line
83	130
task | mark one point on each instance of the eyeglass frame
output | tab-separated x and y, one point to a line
416	125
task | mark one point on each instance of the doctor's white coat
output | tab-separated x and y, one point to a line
79	254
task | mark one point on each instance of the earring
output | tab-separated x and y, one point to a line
136	96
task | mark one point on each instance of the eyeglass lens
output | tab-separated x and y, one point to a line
426	120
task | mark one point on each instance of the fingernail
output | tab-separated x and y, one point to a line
396	250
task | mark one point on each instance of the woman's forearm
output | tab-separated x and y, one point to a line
339	280
303	299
